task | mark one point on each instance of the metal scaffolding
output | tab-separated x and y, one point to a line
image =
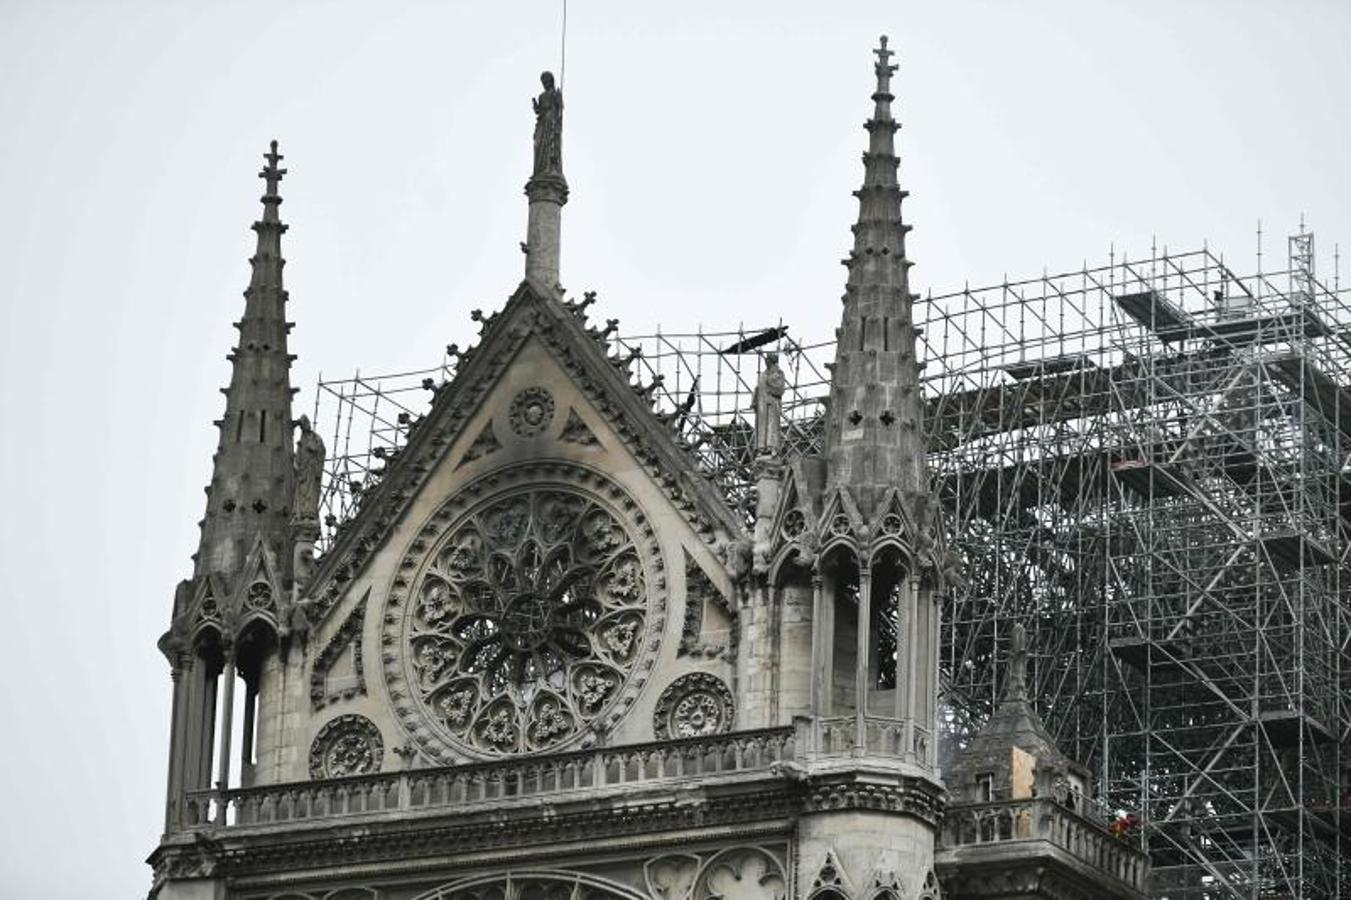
704	384
1148	464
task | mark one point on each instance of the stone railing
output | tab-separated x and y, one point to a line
1043	819
901	739
604	769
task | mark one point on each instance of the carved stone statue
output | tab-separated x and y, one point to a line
309	463
548	128
769	406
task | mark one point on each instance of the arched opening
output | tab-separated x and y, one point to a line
878	645
843	570
254	661
548	884
887	580
208	663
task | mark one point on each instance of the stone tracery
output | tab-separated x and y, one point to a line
526	621
693	705
346	746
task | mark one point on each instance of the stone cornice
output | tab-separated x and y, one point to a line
1028	872
765	802
393	843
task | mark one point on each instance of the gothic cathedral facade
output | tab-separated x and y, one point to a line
547	658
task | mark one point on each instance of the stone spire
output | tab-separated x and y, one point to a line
1015	688
547	190
252	481
874	438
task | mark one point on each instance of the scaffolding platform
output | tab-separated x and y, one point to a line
1143	655
1286	326
1153	310
1290	550
1330	399
1148	479
1285	727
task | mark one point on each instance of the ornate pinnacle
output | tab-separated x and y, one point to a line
1016	688
272	176
884	68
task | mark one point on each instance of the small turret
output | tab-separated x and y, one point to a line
1014	756
1021	813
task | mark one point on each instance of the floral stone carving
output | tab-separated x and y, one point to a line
528	620
345	746
693	705
486	443
531	412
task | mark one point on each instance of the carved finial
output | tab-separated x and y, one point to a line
1016	689
271	174
884	67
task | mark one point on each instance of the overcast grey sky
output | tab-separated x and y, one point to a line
711	148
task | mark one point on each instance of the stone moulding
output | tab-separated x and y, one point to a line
575	431
700	593
485	444
348	634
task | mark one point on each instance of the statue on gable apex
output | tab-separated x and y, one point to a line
548	128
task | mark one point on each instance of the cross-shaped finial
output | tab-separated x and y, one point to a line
271	174
884	55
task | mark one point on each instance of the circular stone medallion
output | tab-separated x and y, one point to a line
531	412
346	746
693	705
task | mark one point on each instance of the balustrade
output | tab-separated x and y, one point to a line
1044	819
477	783
897	738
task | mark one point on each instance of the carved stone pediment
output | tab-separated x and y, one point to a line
624	412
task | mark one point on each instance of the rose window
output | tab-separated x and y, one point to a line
525	622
